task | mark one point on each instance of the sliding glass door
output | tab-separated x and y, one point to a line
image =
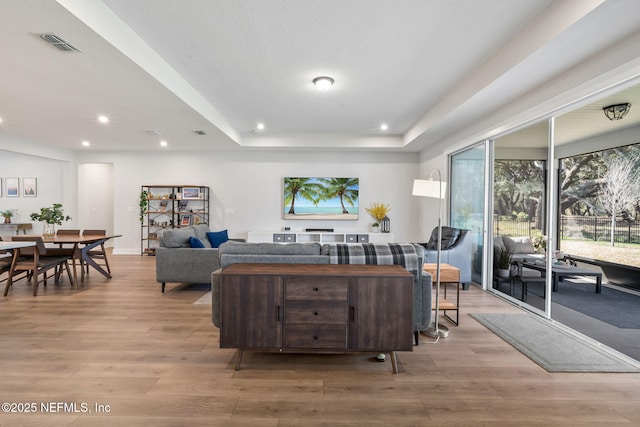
521	205
467	207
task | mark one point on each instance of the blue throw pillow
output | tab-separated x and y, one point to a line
216	238
194	242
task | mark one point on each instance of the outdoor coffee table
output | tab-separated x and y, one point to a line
560	271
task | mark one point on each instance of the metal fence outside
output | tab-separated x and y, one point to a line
508	226
593	228
598	228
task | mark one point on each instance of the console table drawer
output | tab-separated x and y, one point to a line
316	288
324	312
314	336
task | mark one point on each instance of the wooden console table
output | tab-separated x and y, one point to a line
12	226
316	308
448	274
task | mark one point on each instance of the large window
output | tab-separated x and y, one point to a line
600	205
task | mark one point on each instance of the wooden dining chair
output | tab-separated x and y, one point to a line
5	261
38	260
98	253
67	232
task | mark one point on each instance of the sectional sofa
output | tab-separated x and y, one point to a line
178	262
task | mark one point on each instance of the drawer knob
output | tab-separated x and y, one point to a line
315	313
316	289
315	337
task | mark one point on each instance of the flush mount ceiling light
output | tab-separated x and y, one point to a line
86	143
616	111
103	119
384	126
260	126
323	83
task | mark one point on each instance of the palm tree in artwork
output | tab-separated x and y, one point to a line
346	189
300	187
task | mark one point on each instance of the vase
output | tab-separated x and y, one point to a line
48	230
7	220
503	272
375	228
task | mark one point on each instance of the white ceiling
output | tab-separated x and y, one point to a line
424	67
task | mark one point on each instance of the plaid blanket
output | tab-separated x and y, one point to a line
371	253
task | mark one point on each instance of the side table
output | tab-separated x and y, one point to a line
448	274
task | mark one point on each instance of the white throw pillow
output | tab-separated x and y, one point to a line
519	245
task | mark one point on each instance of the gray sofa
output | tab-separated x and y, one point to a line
456	251
177	262
314	253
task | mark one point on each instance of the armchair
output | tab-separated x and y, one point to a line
456	251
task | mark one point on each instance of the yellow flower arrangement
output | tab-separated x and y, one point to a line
378	211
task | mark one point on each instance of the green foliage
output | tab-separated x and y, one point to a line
144	203
52	215
503	260
9	213
581	180
343	188
300	187
519	186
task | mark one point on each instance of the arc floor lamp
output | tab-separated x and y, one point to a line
434	189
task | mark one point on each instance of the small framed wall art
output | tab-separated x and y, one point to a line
12	187
29	187
185	220
190	193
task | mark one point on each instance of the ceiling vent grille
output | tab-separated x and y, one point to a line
59	43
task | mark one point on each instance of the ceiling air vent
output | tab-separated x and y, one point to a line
59	43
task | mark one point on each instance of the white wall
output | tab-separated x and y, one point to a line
56	180
246	186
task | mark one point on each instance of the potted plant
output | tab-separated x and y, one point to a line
503	263
8	214
51	217
379	212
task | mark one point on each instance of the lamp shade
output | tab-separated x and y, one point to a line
429	188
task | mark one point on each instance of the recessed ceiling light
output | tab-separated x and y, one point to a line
0	119
163	143
103	119
323	83
260	126
384	126
86	143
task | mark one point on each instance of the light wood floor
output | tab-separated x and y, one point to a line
154	359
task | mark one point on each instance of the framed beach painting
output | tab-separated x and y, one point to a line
29	187
321	198
12	187
190	193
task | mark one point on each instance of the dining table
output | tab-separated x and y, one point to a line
82	244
